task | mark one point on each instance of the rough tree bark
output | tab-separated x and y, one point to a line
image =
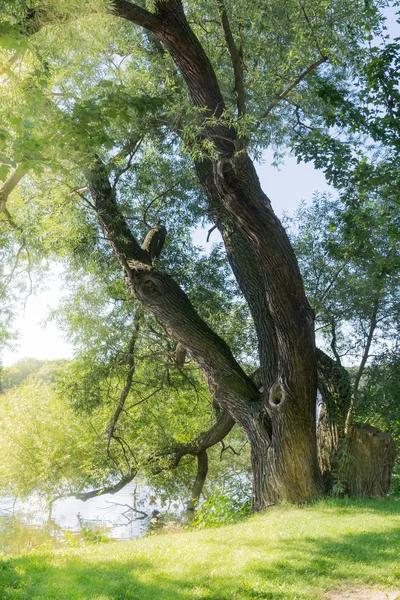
280	422
369	456
335	394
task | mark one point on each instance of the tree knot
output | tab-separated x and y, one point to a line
148	286
154	241
226	169
276	394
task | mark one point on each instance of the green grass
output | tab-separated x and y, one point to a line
286	554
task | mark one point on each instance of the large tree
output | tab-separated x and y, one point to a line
209	81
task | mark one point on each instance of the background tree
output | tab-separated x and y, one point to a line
350	263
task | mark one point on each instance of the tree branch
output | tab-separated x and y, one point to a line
129	378
236	57
202	442
9	185
136	14
333	341
360	371
283	94
160	195
159	292
201	475
132	151
112	489
196	447
114	227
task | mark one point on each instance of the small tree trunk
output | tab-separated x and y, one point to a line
371	455
327	443
202	470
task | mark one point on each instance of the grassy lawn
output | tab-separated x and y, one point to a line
288	553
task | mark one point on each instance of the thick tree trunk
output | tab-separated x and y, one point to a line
280	424
284	461
287	441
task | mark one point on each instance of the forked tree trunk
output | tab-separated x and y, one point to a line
280	424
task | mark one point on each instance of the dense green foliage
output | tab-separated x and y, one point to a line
54	423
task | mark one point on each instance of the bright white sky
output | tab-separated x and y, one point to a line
285	188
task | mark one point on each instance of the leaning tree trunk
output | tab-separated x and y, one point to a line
280	425
288	437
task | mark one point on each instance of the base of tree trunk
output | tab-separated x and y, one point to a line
365	462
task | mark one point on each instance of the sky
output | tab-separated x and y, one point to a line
286	188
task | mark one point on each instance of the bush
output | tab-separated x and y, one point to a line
223	507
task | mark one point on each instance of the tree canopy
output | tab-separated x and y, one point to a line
124	128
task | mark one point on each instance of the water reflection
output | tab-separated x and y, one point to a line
123	516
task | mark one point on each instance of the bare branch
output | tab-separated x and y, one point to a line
112	489
153	393
283	94
210	232
128	165
160	195
236	57
129	508
129	377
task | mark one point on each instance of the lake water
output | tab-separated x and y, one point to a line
29	524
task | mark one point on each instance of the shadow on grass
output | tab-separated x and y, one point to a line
293	568
36	577
315	563
370	558
33	577
344	506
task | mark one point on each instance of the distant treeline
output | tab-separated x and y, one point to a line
22	370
